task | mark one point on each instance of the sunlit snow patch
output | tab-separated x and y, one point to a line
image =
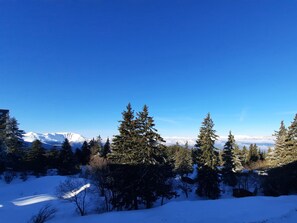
75	192
33	199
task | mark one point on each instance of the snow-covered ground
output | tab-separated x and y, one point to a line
20	200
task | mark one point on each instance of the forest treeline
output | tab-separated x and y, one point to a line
136	167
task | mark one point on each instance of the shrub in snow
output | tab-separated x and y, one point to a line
24	176
8	176
45	214
75	191
99	174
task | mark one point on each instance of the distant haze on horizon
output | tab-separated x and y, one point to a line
56	139
73	66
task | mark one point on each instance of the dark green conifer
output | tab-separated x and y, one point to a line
253	153
124	144
244	158
150	147
85	153
96	146
280	145
231	161
67	164
183	161
290	154
14	144
208	178
139	168
36	158
105	149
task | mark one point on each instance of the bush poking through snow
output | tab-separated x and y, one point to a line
45	214
75	191
8	176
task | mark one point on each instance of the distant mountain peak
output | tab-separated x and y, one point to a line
55	139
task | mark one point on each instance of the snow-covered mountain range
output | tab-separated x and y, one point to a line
76	140
55	139
264	142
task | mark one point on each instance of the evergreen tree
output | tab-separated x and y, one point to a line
244	155
96	146
231	161
280	145
36	158
171	151
78	156
53	158
3	151
66	159
253	153
14	144
124	144
270	157
151	150
139	171
290	155
85	153
183	161
208	178
262	155
105	149
237	153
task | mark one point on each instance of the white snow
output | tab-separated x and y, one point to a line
20	200
54	138
75	192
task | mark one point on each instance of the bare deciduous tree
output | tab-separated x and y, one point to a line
75	191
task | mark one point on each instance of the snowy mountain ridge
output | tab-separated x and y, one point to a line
56	139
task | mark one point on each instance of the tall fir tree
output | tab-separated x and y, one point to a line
270	157
85	153
183	160
280	145
13	139
139	168
231	161
151	150
244	158
67	161
124	144
36	158
290	154
3	147
95	146
105	149
208	177
253	153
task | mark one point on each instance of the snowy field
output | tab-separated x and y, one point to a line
20	200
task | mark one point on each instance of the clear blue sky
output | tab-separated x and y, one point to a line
74	65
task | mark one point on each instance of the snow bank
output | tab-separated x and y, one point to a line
20	200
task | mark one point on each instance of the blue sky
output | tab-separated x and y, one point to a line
74	65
